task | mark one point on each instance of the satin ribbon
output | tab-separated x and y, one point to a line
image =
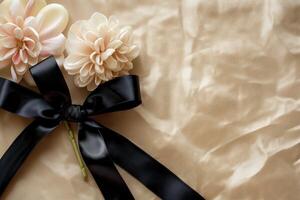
101	148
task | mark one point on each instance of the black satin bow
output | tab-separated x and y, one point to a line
101	148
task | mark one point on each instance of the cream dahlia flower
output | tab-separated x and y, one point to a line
99	50
30	30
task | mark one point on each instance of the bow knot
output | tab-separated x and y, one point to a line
74	113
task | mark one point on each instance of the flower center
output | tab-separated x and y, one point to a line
19	44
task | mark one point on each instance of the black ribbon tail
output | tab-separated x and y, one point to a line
26	103
100	164
20	149
156	177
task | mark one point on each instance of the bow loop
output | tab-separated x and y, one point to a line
51	83
22	101
122	93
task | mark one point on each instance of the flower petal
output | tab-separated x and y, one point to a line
78	47
31	33
134	51
98	60
79	83
24	56
97	80
92	70
112	64
105	55
97	19
125	34
115	44
29	43
99	69
128	66
4	9
16	59
21	68
90	36
36	51
53	46
84	71
60	60
52	20
14	75
8	42
73	61
25	8
7	53
121	58
30	22
74	33
99	45
113	22
91	86
33	7
32	60
102	29
108	75
88	67
19	21
17	8
73	64
7	29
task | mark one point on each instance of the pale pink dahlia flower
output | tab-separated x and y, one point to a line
99	50
30	30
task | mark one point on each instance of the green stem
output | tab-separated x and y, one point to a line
76	150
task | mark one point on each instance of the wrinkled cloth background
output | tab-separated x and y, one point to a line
220	83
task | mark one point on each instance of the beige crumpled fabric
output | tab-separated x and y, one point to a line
220	83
